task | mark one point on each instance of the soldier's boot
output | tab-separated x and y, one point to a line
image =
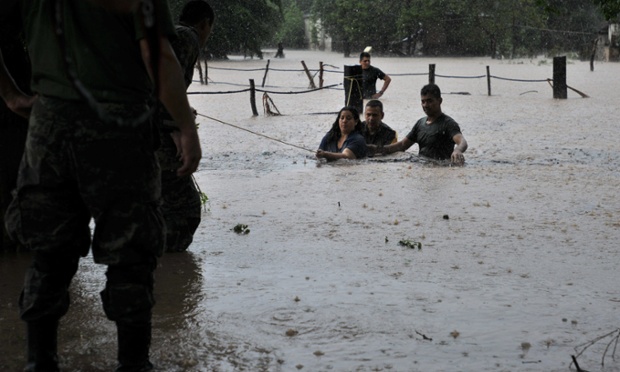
42	346
134	342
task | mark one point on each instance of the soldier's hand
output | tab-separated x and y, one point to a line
190	152
21	104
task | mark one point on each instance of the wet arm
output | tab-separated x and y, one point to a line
461	146
172	95
386	83
401	145
16	100
346	154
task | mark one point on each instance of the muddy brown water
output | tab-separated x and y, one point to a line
521	273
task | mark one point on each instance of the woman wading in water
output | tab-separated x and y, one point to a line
344	140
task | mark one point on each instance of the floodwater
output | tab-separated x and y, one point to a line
518	265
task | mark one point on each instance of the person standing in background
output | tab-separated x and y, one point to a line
370	74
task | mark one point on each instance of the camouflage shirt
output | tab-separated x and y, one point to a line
186	46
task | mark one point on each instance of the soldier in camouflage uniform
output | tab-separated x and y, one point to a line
181	198
90	154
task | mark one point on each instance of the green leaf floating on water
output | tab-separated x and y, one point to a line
203	198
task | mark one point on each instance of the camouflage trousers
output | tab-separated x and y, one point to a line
75	168
181	199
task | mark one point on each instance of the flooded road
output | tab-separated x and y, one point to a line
519	248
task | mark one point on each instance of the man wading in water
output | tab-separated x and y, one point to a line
438	135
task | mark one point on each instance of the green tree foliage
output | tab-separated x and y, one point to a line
175	8
610	8
572	26
305	5
499	28
244	25
292	30
355	24
241	26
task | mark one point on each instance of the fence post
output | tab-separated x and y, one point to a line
320	74
309	75
206	70
253	98
431	73
489	80
559	78
204	79
353	87
593	54
266	71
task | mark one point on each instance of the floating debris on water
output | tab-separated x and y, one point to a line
410	244
292	332
241	229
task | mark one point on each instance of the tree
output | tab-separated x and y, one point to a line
570	25
610	8
355	24
477	27
498	28
292	30
305	5
240	25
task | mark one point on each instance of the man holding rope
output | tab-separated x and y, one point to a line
90	154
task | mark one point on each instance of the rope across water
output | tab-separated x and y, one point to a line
256	133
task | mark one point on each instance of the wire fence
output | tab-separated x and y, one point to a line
352	81
311	73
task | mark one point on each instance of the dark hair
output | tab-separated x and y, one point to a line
335	132
195	11
375	103
364	54
431	89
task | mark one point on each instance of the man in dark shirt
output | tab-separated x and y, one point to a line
370	74
374	130
436	134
